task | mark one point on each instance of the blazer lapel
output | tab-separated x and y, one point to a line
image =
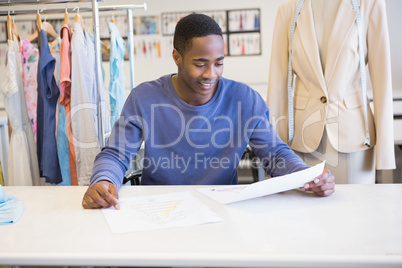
344	22
305	26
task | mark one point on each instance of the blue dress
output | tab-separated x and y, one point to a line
48	94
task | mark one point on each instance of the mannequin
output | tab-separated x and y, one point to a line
329	120
324	13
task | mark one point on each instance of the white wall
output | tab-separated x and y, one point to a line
252	70
394	8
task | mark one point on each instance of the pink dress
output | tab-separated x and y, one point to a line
29	57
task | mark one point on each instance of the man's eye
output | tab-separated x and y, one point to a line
200	65
219	64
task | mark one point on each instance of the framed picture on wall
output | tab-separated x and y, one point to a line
241	29
146	25
220	18
148	47
244	20
241	44
169	21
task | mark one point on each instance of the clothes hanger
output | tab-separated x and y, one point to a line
39	20
48	28
54	43
39	25
9	24
65	23
9	28
105	48
15	31
78	17
66	16
33	36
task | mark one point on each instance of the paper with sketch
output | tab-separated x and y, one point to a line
235	193
158	211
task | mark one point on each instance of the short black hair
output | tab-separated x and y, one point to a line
191	26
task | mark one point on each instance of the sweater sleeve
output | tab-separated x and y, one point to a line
127	135
277	157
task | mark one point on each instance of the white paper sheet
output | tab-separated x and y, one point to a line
158	211
235	193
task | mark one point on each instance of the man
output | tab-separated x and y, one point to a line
195	125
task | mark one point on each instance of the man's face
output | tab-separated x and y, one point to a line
200	68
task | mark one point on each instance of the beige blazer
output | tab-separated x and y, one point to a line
333	99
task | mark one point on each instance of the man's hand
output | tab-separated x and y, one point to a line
101	194
323	185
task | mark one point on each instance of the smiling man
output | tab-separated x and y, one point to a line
195	125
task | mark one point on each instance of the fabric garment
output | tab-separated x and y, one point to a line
323	11
48	94
1	176
86	99
61	137
30	57
187	144
117	83
330	95
23	167
65	96
102	103
62	147
11	208
343	165
56	55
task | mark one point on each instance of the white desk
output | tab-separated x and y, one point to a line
359	226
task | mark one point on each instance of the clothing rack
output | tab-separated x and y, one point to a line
130	34
82	9
95	14
34	2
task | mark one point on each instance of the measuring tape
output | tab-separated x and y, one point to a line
291	80
290	72
362	70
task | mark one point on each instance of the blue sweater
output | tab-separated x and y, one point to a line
187	144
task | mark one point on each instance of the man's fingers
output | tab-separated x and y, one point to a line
101	194
111	196
90	204
93	199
